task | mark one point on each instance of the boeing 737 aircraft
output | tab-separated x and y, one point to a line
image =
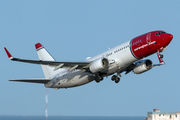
123	58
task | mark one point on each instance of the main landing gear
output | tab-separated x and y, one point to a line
98	78
116	78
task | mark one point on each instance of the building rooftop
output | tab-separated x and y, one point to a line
157	111
172	113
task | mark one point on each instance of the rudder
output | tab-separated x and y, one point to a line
44	55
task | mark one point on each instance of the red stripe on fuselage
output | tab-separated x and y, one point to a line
149	43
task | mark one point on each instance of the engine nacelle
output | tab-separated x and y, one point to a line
143	66
100	65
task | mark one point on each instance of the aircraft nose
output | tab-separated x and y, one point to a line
169	37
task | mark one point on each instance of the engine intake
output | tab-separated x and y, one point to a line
100	65
143	66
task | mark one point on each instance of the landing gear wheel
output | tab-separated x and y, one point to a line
97	80
113	77
117	80
161	56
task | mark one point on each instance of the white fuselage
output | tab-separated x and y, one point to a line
116	60
119	57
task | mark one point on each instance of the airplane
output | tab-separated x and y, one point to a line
127	57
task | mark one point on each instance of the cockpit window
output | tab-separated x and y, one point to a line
160	33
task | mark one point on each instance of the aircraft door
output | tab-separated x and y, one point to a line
148	40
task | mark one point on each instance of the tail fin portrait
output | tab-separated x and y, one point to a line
44	55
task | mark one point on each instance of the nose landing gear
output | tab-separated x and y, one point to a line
161	56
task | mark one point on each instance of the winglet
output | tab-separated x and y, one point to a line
38	46
8	54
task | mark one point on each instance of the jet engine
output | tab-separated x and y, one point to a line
100	65
143	66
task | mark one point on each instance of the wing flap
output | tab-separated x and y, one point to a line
42	81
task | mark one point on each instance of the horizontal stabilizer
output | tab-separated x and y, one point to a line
43	81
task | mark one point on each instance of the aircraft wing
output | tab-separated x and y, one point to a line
43	81
56	64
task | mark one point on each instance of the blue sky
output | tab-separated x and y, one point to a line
72	30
